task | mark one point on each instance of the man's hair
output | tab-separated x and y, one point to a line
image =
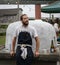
21	17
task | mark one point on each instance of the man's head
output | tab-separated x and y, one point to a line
25	20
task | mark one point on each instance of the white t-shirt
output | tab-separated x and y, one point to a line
29	29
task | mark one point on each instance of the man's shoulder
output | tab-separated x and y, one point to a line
55	24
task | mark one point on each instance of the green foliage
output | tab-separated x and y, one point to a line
2	40
2	34
3	26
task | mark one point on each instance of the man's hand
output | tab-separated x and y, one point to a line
12	53
37	54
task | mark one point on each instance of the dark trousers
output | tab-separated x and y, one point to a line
28	60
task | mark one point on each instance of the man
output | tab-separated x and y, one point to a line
24	35
56	26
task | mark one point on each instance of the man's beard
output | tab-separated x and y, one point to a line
25	24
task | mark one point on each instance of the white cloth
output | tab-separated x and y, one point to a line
46	33
24	52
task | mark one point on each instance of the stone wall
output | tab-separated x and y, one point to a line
43	59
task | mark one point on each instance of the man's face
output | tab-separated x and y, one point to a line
25	20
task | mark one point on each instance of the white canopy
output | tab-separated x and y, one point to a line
46	33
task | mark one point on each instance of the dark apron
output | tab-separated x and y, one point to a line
28	60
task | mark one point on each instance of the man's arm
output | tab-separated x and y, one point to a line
13	46
37	46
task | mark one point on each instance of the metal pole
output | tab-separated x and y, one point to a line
18	10
50	16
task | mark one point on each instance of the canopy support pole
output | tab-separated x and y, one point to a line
50	15
18	10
